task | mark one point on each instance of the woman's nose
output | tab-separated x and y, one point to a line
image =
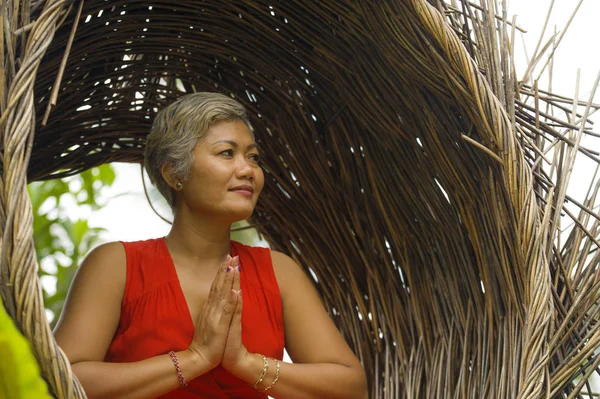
244	168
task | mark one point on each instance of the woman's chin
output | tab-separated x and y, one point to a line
239	214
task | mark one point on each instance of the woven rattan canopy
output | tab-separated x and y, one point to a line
409	171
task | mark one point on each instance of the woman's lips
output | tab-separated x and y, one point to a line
243	192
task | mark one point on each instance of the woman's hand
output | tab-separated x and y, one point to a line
235	352
212	327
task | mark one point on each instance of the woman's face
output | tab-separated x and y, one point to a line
226	178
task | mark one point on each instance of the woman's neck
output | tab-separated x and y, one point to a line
199	242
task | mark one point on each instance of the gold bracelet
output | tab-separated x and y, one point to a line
277	365
264	370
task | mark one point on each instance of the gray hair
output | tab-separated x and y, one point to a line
176	130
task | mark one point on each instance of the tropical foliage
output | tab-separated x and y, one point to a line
61	238
19	372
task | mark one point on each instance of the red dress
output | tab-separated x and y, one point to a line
155	318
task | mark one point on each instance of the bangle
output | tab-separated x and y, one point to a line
264	370
182	382
277	365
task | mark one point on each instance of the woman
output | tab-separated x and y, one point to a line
193	314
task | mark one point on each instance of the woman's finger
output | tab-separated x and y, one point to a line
236	277
227	284
228	309
216	294
217	285
238	309
228	280
236	318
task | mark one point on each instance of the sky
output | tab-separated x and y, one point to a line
577	50
127	216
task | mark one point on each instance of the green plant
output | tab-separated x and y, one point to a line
61	240
19	372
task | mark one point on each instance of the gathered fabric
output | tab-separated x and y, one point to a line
155	318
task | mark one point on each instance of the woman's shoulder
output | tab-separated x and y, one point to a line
282	260
106	251
107	259
103	271
119	248
143	242
287	271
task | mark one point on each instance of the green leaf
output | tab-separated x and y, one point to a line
19	372
106	175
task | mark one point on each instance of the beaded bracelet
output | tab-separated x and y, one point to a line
264	370
277	365
182	382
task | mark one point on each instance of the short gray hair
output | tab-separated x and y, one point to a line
176	130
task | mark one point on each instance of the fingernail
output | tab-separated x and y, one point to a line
228	269
239	268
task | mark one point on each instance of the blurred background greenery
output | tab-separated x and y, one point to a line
61	241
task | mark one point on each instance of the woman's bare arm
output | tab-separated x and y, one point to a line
324	366
88	323
148	378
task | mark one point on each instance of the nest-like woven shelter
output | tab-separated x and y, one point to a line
420	181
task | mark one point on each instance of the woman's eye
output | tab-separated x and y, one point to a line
255	158
228	153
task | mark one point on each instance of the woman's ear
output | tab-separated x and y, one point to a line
167	173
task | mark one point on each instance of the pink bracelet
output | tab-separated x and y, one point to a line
182	382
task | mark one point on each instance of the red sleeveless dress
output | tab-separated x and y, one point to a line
155	318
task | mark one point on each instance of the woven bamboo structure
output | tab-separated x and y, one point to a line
420	182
